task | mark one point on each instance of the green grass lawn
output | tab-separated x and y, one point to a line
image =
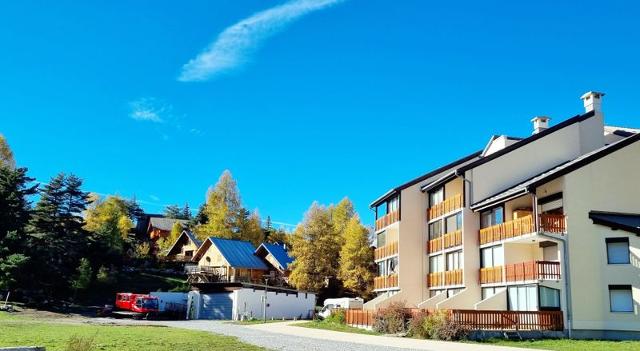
258	321
335	327
19	331
569	345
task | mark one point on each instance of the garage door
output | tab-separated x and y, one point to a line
217	306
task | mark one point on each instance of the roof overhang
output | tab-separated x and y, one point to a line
629	222
493	201
383	197
441	181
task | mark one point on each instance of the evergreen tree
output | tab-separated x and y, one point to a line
110	223
356	259
173	211
315	250
6	155
247	227
186	212
83	275
201	216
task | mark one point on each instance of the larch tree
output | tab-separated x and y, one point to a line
315	250
341	214
165	244
222	208
109	222
356	259
6	155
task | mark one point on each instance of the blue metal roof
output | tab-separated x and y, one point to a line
279	252
238	253
193	238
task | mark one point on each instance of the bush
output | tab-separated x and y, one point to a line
337	316
416	326
391	320
437	325
105	277
80	343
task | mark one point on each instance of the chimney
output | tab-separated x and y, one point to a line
592	101
540	123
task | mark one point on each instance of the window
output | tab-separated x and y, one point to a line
451	292
620	298
618	250
436	264
392	265
435	230
433	293
436	196
523	298
549	299
453	223
489	292
393	205
381	239
491	217
454	260
381	210
491	256
382	271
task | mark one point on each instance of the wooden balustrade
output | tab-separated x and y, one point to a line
453	277
387	220
385	282
490	275
553	223
474	319
434	245
386	250
451	204
446	241
506	230
533	270
435	279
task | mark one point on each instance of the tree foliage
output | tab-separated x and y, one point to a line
356	259
109	222
6	155
341	214
165	244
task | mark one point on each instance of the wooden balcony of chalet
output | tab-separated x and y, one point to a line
388	250
385	282
521	272
549	223
387	220
453	277
446	241
449	205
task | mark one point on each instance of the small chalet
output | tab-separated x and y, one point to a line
277	256
184	248
227	261
160	227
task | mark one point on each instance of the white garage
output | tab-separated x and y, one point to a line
247	302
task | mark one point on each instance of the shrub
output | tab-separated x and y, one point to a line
337	316
80	343
416	325
440	326
391	320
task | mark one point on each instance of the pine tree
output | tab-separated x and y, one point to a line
6	155
315	250
356	259
247	227
173	211
83	276
186	212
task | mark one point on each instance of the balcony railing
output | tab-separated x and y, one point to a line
453	277
446	241
451	204
490	275
533	270
386	250
387	220
521	226
385	282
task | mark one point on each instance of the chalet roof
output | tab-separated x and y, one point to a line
629	222
238	253
530	184
164	223
278	251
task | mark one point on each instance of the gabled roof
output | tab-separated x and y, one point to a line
190	236
530	184
629	222
278	251
164	223
238	253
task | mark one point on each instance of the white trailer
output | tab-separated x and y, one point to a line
342	302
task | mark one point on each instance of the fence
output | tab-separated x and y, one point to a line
476	319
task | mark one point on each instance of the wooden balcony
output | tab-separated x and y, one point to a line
453	277
451	204
490	275
551	223
387	220
548	223
386	250
446	241
533	270
385	282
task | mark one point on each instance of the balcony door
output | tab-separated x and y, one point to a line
492	217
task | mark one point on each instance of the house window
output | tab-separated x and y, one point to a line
381	210
454	222
392	265
382	268
451	292
436	264
435	230
436	196
393	205
621	298
618	250
381	239
549	299
491	217
454	260
523	298
491	256
188	253
434	293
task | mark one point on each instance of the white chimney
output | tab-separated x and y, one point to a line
540	123
592	101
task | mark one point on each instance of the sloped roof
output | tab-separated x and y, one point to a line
279	252
553	173
238	253
629	222
164	223
187	234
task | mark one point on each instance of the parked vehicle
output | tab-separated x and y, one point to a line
136	305
343	302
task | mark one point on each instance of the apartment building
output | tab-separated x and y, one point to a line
550	222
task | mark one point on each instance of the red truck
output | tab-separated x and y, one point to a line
136	305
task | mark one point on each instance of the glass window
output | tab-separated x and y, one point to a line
436	196
436	264
393	205
381	269
435	230
381	239
454	222
381	210
491	217
621	298
549	298
454	260
451	292
618	250
491	256
523	298
488	292
393	265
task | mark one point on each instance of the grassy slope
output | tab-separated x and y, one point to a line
335	327
17	331
570	345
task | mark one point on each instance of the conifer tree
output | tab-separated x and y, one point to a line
341	214
173	211
356	259
222	208
185	212
109	222
6	155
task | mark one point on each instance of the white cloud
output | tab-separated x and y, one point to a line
235	43
149	109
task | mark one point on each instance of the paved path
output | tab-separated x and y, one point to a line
286	336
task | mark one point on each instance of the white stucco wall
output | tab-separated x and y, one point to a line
281	305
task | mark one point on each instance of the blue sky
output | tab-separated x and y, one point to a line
332	100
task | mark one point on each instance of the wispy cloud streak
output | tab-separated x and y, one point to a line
235	43
149	109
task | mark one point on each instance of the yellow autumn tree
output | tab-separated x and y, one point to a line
109	221
356	259
6	155
165	244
